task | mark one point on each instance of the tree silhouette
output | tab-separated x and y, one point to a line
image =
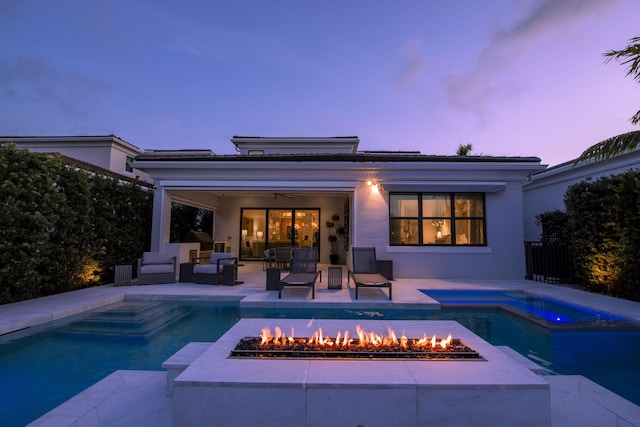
604	150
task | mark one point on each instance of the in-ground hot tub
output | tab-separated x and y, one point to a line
223	390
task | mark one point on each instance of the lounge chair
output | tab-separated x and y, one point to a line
156	268
221	270
303	271
365	270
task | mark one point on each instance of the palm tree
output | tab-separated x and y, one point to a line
464	149
611	147
608	148
630	56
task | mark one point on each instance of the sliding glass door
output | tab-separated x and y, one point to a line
271	228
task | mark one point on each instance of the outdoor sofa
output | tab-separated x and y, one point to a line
156	268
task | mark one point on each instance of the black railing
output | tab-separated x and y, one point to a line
549	262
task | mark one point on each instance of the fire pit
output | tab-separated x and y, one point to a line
321	391
364	345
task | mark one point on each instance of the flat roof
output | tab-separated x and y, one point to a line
336	157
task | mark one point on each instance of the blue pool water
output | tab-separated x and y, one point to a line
544	311
43	367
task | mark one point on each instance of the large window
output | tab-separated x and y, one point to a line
437	219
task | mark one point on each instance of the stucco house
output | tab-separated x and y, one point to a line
433	216
107	152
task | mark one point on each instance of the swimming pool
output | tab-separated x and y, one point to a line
43	367
542	310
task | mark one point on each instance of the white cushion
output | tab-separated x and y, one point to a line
156	268
156	258
225	257
206	268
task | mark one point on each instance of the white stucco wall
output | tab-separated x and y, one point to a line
503	258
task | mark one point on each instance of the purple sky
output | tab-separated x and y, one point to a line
515	78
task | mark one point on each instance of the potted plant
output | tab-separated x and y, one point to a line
335	230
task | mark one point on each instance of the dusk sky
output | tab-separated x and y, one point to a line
511	77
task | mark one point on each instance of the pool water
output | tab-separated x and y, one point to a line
43	367
542	310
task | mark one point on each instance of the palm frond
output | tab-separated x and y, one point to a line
611	147
630	56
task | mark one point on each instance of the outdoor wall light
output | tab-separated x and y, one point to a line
373	185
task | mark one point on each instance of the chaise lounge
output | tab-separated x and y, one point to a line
156	268
365	270
303	270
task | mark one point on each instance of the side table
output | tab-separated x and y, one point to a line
186	272
122	275
230	275
335	278
385	267
273	279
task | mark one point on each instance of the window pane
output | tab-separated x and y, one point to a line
403	231
403	205
470	232
436	232
469	205
306	226
436	205
280	221
253	221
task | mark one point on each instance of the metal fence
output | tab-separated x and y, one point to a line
549	262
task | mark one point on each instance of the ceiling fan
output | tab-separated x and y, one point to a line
285	195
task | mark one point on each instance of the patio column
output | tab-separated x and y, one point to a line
161	220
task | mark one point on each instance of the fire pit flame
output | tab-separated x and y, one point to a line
342	339
363	344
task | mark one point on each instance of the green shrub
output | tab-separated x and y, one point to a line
555	226
62	228
121	223
604	223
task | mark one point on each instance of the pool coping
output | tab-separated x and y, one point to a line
26	314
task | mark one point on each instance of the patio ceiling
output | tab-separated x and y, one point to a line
206	198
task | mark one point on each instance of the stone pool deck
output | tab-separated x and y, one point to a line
136	398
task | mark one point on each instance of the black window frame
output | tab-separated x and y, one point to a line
420	218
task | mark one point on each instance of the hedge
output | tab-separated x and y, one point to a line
63	228
604	224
